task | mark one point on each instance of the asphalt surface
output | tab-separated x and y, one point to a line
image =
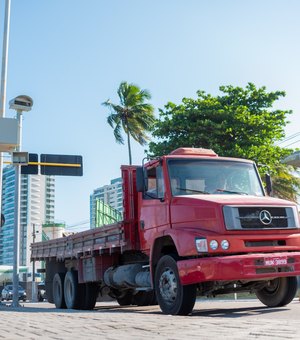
211	319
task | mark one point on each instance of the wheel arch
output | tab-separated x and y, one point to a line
164	245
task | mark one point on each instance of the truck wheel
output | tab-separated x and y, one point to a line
71	290
89	296
145	298
279	292
173	298
125	299
58	290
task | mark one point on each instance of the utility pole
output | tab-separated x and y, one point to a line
20	104
16	262
33	292
3	80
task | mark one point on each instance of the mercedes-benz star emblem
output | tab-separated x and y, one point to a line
265	217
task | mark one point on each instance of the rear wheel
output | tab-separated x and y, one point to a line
89	295
58	290
125	299
173	298
145	298
72	290
279	292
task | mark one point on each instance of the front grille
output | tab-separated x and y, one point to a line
250	217
260	217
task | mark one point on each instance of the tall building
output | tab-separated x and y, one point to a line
111	194
37	206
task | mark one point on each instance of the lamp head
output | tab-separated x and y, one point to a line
21	103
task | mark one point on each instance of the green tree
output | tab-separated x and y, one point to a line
133	115
241	122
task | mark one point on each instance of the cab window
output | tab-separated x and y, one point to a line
156	187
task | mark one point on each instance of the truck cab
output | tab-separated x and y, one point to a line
211	220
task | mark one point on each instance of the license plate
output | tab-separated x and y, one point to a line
277	261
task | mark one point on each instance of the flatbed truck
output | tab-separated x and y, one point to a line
194	224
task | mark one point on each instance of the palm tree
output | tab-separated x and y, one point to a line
132	115
286	184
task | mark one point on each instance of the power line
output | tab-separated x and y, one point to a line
289	138
75	225
293	143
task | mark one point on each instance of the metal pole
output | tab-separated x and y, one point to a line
15	302
33	291
3	79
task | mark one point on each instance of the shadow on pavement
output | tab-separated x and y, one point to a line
153	310
236	312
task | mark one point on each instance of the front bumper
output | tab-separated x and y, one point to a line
239	267
21	296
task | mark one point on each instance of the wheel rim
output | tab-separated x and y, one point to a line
168	286
273	286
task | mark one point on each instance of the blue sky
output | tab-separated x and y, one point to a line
71	55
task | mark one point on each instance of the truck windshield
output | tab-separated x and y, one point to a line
194	177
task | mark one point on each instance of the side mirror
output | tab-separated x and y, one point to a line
268	184
141	179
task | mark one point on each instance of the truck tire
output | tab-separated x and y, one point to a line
58	290
72	291
89	297
125	299
279	292
145	298
173	298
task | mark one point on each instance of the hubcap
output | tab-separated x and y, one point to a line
168	286
272	286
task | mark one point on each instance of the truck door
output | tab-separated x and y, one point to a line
154	212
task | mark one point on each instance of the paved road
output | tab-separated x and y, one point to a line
241	319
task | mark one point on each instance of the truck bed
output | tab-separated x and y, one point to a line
108	239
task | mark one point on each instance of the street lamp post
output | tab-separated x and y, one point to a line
33	289
16	263
20	104
3	79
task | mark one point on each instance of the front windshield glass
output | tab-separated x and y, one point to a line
194	177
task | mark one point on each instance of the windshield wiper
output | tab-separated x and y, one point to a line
192	190
232	192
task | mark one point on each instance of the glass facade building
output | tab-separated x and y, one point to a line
105	214
37	206
111	195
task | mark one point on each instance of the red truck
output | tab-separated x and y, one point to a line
194	224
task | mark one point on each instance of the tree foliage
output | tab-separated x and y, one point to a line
133	115
241	122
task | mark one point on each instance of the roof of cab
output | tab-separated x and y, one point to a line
194	152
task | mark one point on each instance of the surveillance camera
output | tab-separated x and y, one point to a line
21	103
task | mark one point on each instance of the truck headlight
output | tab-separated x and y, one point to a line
213	244
225	244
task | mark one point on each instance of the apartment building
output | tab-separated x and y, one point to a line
111	194
37	206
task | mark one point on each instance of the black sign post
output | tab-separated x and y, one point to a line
31	169
61	165
56	165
